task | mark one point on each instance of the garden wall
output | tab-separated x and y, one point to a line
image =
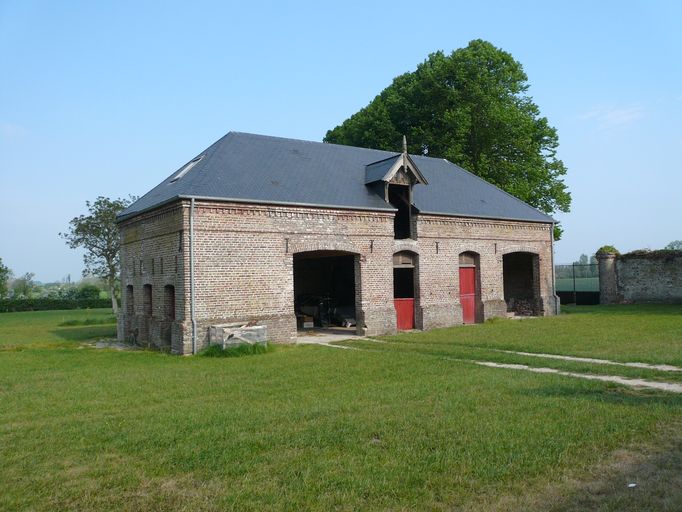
641	276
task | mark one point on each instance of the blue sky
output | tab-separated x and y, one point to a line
108	98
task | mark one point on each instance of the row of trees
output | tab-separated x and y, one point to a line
97	233
25	287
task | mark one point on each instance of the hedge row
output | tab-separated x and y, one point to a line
10	305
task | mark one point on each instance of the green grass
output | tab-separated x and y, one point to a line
48	329
397	426
111	319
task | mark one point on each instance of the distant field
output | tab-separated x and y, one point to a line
408	424
43	329
582	284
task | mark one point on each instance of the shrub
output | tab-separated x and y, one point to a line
88	291
45	304
244	349
608	249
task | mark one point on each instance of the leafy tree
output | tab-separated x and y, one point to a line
5	276
24	286
472	108
675	245
88	291
98	234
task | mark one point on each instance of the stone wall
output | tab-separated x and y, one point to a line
640	277
243	256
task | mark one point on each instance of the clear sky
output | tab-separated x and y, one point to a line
109	98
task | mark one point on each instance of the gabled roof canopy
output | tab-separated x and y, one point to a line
385	170
242	167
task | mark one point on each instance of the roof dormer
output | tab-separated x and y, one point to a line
398	169
393	178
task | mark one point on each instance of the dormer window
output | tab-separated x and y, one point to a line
394	177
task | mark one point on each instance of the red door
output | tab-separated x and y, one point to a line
404	310
467	293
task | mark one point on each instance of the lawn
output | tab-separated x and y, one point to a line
409	424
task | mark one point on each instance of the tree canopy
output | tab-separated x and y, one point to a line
675	245
5	275
97	233
472	108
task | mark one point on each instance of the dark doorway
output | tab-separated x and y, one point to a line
521	283
325	289
399	197
404	264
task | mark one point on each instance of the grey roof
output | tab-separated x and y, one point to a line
376	171
272	170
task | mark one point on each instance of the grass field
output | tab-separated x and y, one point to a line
409	424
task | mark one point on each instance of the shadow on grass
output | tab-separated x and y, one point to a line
624	309
85	333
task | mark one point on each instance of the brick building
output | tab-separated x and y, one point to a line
279	232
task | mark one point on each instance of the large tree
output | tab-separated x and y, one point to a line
97	233
472	108
5	276
24	286
675	245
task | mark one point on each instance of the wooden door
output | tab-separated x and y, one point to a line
467	294
404	310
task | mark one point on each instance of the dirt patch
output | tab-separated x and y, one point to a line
643	478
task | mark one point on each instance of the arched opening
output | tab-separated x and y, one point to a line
470	287
404	289
327	291
521	283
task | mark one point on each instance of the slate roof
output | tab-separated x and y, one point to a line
272	170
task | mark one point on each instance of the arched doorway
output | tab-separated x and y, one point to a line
327	290
404	280
521	272
469	286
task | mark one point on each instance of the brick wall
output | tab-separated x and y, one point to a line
654	276
244	265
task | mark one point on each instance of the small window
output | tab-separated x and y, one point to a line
186	169
467	259
403	259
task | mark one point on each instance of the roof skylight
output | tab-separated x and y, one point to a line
186	169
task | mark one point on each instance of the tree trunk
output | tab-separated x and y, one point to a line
114	302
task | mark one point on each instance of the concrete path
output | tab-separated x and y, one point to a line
625	381
327	337
659	367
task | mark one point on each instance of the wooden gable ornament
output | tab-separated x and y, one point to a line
397	170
